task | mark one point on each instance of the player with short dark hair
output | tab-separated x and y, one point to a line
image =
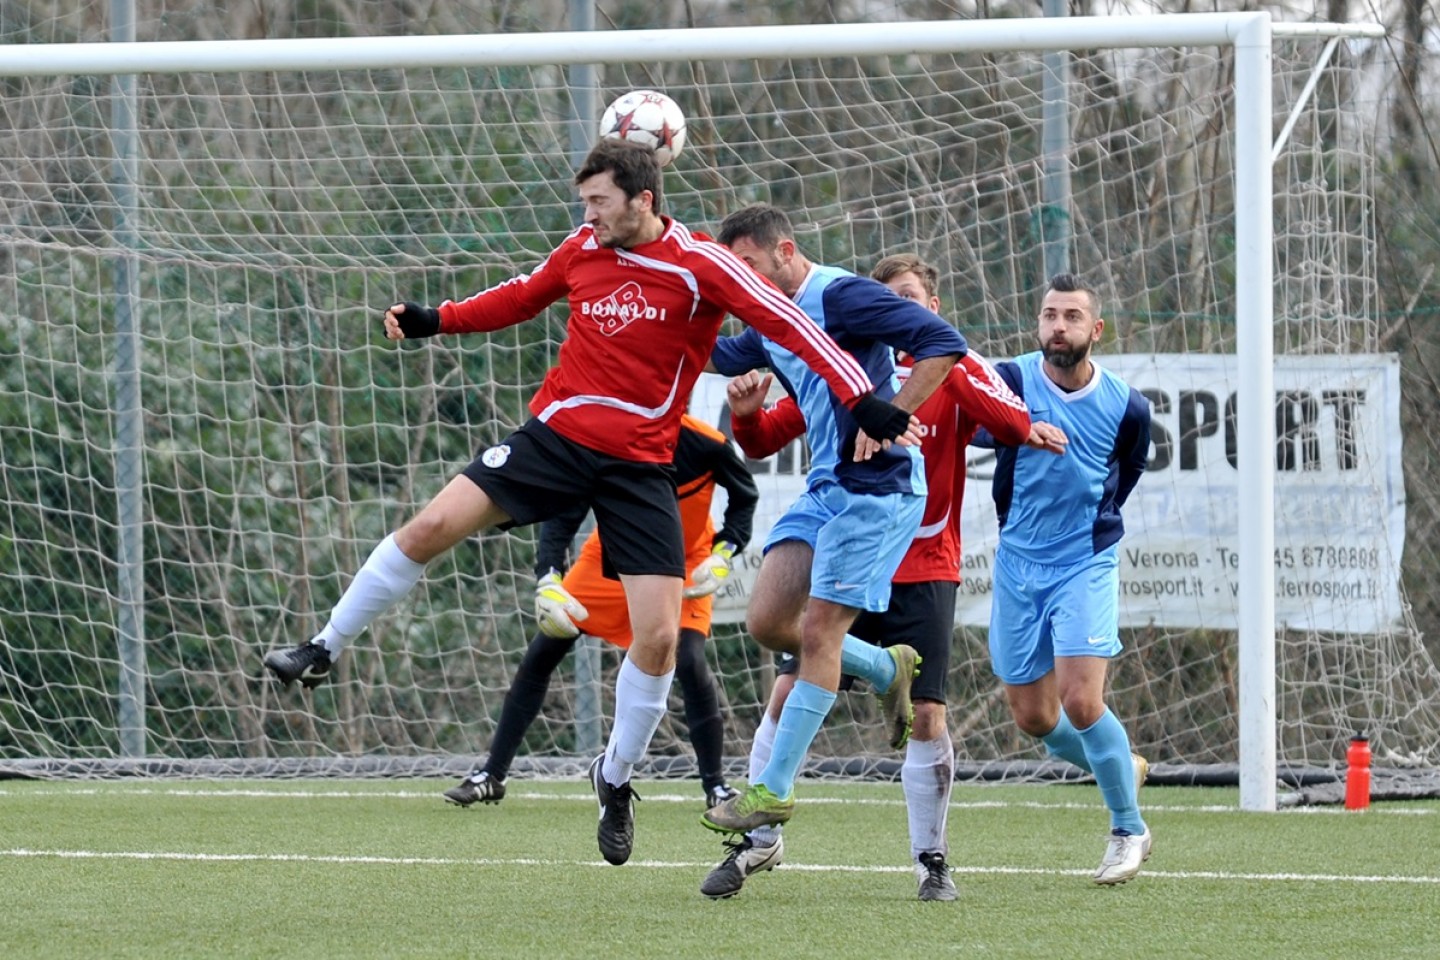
1054	620
833	552
646	299
922	601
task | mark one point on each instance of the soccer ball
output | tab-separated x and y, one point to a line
649	118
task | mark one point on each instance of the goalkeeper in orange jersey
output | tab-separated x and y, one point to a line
586	601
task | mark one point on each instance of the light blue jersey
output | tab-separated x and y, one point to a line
858	518
867	320
1059	510
1057	566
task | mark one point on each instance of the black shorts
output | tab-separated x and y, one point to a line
920	614
535	473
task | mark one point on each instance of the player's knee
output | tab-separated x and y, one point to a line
1083	710
692	672
772	632
1036	721
929	720
425	537
690	652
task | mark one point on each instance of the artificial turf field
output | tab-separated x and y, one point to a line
162	869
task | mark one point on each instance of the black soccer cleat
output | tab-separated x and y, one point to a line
616	831
309	663
742	859
478	787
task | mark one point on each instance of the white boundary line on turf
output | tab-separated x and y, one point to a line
687	799
669	864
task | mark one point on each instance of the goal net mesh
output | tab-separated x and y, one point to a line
277	214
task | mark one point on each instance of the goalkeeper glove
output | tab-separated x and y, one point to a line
880	419
711	573
417	321
556	610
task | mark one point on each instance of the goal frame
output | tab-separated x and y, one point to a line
1250	34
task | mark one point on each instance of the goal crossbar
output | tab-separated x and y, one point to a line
621	46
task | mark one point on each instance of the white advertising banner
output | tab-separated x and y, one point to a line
1339	511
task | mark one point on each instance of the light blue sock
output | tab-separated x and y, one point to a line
800	719
1107	747
872	664
1064	742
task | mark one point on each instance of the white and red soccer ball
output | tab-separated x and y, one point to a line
649	118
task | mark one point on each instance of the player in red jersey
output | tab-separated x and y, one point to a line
646	299
922	601
571	599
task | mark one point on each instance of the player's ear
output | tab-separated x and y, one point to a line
1099	329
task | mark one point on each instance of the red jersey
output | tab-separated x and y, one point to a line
972	396
642	324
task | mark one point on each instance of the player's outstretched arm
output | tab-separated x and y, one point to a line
411	321
986	400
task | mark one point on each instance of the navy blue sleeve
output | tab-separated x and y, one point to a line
1010	373
1132	445
858	307
733	356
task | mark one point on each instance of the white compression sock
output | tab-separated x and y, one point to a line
928	775
640	702
761	745
387	576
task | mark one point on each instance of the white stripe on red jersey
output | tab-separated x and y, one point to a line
642	324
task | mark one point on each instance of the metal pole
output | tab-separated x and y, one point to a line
1055	153
129	418
584	114
632	46
1255	349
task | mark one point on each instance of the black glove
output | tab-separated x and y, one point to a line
880	419
417	321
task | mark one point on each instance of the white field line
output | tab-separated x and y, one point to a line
688	799
683	865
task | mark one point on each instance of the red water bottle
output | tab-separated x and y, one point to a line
1357	774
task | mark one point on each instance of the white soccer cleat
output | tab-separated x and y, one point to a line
1142	771
1124	853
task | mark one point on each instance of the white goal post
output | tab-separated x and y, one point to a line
1251	35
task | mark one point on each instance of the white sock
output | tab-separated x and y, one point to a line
640	703
387	576
761	745
765	836
760	748
928	775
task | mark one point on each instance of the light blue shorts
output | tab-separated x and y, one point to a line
858	539
1040	612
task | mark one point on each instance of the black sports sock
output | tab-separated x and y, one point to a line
523	700
702	707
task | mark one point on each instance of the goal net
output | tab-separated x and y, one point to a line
275	213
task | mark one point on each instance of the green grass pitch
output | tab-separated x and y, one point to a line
232	869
